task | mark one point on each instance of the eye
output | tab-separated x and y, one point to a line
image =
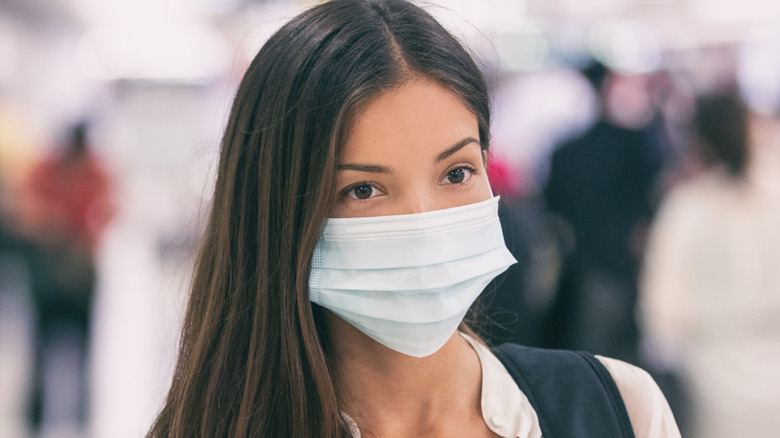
361	191
458	175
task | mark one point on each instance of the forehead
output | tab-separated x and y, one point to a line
418	115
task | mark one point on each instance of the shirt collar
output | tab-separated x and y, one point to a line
505	409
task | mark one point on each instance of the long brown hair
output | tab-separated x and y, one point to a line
252	359
721	123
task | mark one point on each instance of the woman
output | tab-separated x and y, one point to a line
711	283
352	176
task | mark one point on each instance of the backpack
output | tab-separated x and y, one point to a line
572	393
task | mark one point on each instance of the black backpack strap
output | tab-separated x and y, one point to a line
573	394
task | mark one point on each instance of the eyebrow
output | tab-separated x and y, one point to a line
455	148
371	168
364	168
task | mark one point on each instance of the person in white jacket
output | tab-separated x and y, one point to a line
710	295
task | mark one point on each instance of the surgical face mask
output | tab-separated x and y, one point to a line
408	280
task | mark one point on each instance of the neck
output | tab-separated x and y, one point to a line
384	391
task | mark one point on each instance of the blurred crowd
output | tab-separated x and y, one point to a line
653	237
642	207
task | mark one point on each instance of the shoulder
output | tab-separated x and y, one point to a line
701	190
691	204
646	405
590	389
571	392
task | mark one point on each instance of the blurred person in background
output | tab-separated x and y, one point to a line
66	205
13	292
601	183
710	300
15	296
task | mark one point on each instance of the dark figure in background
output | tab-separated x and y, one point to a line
515	306
66	207
601	184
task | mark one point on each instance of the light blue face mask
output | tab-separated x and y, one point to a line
407	281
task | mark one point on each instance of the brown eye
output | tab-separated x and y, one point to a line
363	192
456	176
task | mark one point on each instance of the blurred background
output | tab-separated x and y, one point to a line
635	146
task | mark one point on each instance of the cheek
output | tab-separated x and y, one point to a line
479	190
485	191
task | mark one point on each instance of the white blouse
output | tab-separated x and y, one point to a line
509	414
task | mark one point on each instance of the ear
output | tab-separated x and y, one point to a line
485	157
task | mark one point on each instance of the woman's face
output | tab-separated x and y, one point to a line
413	149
